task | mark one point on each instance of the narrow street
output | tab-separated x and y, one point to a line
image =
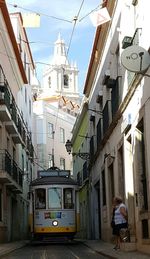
50	251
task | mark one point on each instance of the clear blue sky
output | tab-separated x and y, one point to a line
45	36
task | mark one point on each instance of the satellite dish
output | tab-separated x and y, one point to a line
135	59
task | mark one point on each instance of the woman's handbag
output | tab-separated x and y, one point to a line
112	220
112	223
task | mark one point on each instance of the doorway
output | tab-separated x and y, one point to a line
97	215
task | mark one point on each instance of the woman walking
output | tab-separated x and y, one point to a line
120	219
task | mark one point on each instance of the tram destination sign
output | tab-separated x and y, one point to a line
46	173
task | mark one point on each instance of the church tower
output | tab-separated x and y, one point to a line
61	77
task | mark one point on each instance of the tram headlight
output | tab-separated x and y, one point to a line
55	223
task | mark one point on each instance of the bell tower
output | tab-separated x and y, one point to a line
61	77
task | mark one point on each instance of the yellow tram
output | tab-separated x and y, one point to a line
53	211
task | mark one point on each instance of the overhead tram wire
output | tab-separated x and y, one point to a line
95	9
39	13
75	19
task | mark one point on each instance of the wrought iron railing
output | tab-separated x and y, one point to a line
85	171
14	112
7	162
19	125
15	171
10	166
92	151
6	97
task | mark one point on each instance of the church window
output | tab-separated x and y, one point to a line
66	80
62	163
62	135
50	160
50	130
49	82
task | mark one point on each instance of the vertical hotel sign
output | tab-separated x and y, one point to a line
31	20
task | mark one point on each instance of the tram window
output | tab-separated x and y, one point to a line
68	198
40	198
54	198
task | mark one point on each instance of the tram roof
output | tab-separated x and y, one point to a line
53	180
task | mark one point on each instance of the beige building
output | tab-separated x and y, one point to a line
118	106
16	153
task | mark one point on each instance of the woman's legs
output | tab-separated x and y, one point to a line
117	242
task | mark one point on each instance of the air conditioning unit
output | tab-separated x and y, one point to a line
127	42
92	117
99	97
111	83
106	77
134	2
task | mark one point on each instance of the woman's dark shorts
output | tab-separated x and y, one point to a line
116	228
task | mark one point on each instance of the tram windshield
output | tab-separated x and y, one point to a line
55	198
40	198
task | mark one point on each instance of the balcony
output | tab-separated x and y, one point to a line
10	173
18	136
85	171
12	117
29	146
11	125
4	102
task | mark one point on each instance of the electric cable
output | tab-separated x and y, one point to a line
39	13
75	21
72	33
95	9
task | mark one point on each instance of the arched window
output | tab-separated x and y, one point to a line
66	80
49	82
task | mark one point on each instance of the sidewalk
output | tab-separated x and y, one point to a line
107	250
6	248
99	246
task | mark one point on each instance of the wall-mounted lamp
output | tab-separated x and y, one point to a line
86	137
68	146
108	155
92	117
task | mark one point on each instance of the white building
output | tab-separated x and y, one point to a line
60	77
16	154
55	110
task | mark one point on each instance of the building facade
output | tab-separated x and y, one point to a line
16	154
118	108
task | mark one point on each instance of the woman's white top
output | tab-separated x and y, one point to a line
118	217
